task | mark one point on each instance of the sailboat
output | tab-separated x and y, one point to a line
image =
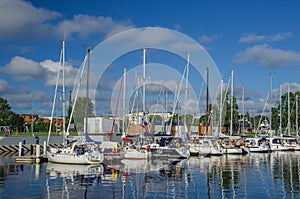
80	151
173	147
135	151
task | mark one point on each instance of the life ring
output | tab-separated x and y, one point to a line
177	145
148	148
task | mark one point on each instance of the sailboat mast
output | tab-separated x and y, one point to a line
289	112
243	110
124	98
55	94
186	88
144	80
207	99
270	105
280	111
63	90
231	104
87	93
297	128
221	107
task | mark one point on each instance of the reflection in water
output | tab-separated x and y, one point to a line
271	175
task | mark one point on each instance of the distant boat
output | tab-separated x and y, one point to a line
204	147
257	145
171	147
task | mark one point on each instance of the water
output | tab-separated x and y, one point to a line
273	175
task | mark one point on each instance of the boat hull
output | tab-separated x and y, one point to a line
73	158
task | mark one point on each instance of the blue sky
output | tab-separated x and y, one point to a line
253	38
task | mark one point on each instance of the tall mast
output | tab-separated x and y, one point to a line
87	93
63	89
289	112
55	93
221	107
270	104
207	99
231	105
280	111
243	109
144	81
186	88
124	98
297	127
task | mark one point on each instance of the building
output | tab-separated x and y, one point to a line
29	118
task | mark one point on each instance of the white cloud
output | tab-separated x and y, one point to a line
85	25
20	20
51	68
23	69
252	37
27	22
4	87
268	56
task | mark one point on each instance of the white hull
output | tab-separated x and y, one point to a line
258	149
169	152
235	151
73	158
135	154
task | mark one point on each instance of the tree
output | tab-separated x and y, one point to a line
80	112
41	126
8	117
227	111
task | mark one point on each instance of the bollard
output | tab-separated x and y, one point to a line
22	151
24	141
20	148
45	148
37	140
37	153
31	149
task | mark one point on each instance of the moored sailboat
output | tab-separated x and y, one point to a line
80	151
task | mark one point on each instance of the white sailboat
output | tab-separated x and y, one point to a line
133	151
79	152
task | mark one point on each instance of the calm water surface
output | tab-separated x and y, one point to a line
274	175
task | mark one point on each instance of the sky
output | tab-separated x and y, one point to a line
258	40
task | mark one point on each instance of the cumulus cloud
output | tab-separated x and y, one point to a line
21	20
27	22
268	56
252	37
85	25
23	69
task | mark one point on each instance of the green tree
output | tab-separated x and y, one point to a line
80	112
41	126
8	117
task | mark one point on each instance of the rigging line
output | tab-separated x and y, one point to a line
117	106
260	119
76	94
176	97
222	101
55	94
198	99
